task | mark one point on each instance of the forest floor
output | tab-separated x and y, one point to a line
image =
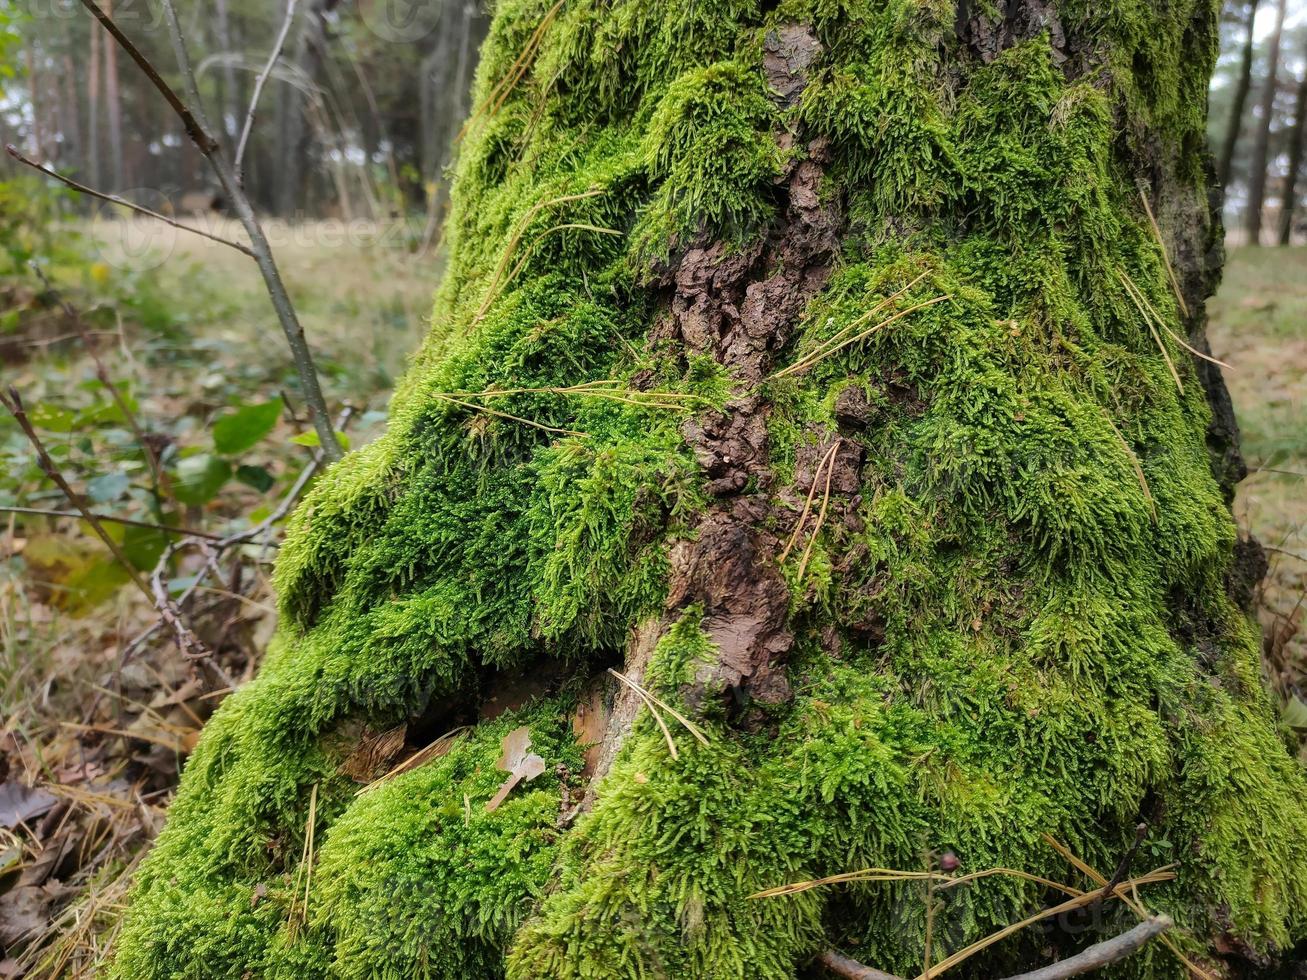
1259	327
93	728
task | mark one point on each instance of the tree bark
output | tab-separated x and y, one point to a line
1289	198
1261	146
1242	86
802	476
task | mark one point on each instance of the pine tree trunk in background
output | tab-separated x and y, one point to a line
37	105
1261	146
70	118
93	108
1289	199
816	371
114	107
295	170
1242	85
230	102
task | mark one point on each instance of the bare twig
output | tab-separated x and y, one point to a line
1122	892
222	544
190	645
1123	868
1102	954
842	966
1094	958
14	403
259	82
1130	898
259	247
202	140
122	202
112	519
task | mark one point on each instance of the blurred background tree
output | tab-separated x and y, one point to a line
1257	104
358	119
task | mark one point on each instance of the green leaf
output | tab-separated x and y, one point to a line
311	439
107	487
255	476
200	478
1295	713
51	417
143	546
238	431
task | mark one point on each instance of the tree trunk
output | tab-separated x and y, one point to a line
93	107
816	373
231	99
1289	199
1261	147
1241	88
114	107
38	106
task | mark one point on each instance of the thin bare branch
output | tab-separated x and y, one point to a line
1096	957
14	403
111	519
842	966
121	202
1123	868
1102	954
202	140
264	527
191	646
259	82
259	247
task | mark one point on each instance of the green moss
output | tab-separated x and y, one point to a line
1033	632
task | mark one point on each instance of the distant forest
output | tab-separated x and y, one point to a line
360	117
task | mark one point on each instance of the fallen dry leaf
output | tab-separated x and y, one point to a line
19	803
24	912
520	764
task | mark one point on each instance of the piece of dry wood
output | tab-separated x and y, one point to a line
1102	954
842	966
1096	957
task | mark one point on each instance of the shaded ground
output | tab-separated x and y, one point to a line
90	744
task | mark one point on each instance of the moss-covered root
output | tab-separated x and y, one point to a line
831	343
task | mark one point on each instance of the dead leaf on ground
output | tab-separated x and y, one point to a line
24	913
520	764
19	803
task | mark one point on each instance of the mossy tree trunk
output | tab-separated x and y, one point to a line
824	368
